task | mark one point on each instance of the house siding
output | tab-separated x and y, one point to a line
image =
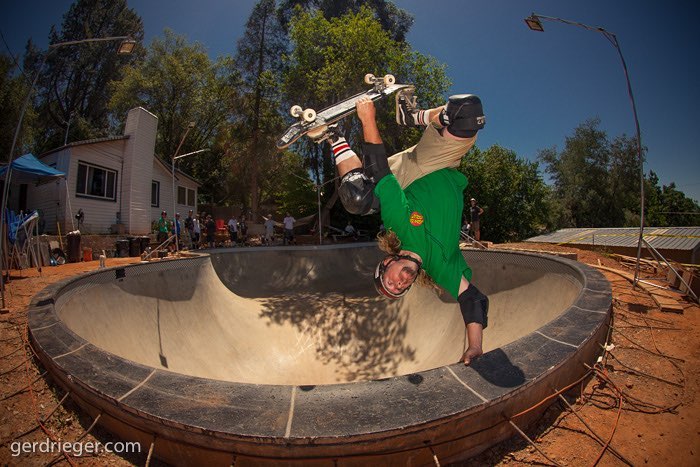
164	176
99	214
132	158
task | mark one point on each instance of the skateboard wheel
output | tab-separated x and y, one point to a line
369	78
295	111
389	80
309	115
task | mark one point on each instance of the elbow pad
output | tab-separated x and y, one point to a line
474	306
375	164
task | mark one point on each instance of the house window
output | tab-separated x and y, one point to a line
185	196
190	197
155	193
96	182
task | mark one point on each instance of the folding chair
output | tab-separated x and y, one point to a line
23	254
12	222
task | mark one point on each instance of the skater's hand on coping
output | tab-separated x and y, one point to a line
472	353
365	110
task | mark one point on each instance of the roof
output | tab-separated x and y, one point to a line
666	238
118	138
87	141
178	172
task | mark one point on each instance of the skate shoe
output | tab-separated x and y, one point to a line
331	133
407	111
406	107
334	133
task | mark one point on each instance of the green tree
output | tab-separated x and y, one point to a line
290	188
511	191
653	196
327	63
580	175
394	20
73	87
679	209
666	206
596	184
13	92
259	122
180	84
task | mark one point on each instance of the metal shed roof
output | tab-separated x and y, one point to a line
666	238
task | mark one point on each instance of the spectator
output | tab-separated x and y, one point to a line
243	229
475	214
189	228
288	222
163	227
269	230
196	232
177	226
211	231
233	229
350	231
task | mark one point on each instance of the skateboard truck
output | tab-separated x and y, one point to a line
380	83
308	115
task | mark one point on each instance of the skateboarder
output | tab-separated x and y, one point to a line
421	201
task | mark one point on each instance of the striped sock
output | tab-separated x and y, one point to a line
422	117
341	150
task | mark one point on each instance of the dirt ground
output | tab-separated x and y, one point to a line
640	407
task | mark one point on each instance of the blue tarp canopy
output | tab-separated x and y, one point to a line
29	168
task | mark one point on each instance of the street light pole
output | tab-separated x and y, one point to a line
126	47
177	241
318	187
534	23
177	151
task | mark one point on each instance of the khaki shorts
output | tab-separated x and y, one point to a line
433	152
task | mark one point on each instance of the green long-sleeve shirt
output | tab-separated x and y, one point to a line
427	217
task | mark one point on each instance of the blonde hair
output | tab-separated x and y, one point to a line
390	244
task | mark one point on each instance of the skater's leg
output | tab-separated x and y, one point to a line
356	189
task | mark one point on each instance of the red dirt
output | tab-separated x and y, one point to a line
643	403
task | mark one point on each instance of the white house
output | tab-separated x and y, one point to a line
118	182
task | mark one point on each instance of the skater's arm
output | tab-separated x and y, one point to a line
367	115
474	307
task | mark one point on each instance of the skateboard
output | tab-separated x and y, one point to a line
315	125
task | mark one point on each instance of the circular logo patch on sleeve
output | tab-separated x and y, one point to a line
416	219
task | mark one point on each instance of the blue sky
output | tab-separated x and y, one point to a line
536	87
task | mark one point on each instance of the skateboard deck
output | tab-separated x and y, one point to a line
315	124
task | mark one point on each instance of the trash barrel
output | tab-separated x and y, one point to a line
122	248
145	243
134	246
74	252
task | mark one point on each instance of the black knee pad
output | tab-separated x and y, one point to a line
464	115
356	192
